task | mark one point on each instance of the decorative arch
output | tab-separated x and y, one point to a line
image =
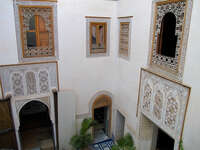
39	106
97	95
102	99
22	103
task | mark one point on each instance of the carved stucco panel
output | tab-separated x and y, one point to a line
31	83
17	84
168	104
147	98
44	81
158	105
29	79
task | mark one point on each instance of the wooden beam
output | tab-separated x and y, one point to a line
125	17
38	0
97	17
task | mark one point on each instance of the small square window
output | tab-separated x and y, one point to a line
97	36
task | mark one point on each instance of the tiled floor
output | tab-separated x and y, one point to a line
103	145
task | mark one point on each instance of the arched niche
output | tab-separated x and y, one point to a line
28	111
97	94
103	103
167	39
36	126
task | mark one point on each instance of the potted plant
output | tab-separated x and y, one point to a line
82	140
124	143
181	145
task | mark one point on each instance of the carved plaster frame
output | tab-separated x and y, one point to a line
183	45
4	69
52	4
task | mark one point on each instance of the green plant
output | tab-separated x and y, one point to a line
124	143
84	138
181	145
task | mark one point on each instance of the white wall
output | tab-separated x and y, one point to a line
191	78
129	71
67	118
87	76
8	44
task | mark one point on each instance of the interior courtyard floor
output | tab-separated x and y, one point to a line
37	139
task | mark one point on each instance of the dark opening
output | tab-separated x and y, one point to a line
164	142
167	40
100	115
35	125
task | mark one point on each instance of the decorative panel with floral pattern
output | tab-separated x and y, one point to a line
29	79
31	83
167	103
158	105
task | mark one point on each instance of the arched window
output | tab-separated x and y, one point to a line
167	40
37	35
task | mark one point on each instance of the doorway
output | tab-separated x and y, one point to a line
101	112
152	137
35	129
164	142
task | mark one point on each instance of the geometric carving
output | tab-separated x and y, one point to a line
158	105
29	79
163	102
31	83
171	112
147	97
17	84
37	31
169	34
44	81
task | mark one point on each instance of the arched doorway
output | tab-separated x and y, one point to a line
35	129
102	113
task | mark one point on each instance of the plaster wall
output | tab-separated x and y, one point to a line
86	76
129	71
191	77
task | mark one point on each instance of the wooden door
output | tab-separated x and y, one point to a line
7	130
